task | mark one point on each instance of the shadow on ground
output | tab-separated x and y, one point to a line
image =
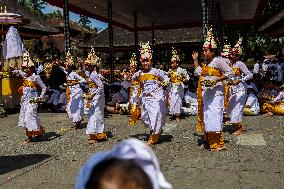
145	137
11	163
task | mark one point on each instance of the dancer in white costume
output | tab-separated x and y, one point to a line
75	106
177	76
238	89
210	93
152	81
29	118
96	98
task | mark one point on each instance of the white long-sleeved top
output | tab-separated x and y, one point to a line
152	88
99	89
279	98
74	89
34	78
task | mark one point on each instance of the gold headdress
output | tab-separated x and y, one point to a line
27	61
69	59
133	61
93	59
145	51
237	50
226	50
175	56
210	42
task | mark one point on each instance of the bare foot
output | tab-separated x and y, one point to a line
268	114
92	141
177	119
26	141
238	132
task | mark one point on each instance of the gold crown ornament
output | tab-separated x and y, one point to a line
237	50
175	56
93	59
210	42
145	51
133	61
226	50
27	61
69	61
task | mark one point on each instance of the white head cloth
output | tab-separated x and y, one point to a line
132	149
13	46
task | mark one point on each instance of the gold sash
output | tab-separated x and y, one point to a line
148	77
175	78
92	84
72	82
134	111
206	71
26	83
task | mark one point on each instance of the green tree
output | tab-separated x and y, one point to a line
84	21
54	14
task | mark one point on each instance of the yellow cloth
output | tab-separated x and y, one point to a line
206	71
98	136
148	77
134	111
215	140
175	78
92	84
273	108
237	71
154	138
247	111
227	94
72	82
27	83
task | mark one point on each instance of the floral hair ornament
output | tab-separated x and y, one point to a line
133	61
175	56
210	42
69	59
93	59
27	61
237	50
226	50
145	51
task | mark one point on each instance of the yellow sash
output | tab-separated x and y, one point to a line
72	82
134	111
26	83
148	77
206	71
175	78
92	84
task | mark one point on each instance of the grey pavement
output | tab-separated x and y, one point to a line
253	160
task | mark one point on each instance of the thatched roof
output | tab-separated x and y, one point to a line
275	25
125	38
34	22
59	23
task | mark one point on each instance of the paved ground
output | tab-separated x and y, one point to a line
254	160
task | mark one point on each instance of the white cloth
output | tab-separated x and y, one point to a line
191	100
131	149
253	104
13	46
75	106
238	94
63	101
153	100
54	98
28	117
213	97
96	121
255	68
176	93
279	97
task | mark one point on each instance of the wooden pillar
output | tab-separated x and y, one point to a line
153	45
136	45
213	17
66	26
204	17
110	29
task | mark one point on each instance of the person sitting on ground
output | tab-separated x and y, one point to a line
129	165
119	96
191	102
252	106
276	106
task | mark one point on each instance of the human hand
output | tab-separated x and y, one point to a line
194	55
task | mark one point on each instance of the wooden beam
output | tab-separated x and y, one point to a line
110	29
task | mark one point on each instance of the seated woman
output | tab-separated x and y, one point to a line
276	106
191	103
252	105
119	96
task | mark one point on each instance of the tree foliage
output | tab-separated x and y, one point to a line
84	21
253	41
